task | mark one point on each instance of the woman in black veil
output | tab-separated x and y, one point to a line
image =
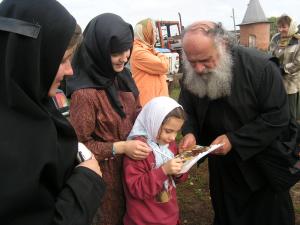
41	182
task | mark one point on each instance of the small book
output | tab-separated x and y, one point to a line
192	156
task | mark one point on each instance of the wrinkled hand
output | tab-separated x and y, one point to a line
92	164
136	149
186	142
173	166
225	148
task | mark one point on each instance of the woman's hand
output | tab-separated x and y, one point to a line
173	166
134	149
92	164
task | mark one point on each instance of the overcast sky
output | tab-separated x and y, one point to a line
191	10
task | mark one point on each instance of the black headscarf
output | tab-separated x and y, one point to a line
104	35
37	145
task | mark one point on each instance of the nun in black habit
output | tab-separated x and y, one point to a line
40	183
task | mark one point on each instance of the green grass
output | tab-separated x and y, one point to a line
174	93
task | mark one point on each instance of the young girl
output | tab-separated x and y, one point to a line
150	184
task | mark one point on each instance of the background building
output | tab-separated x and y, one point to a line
255	27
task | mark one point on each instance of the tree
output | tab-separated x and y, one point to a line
273	27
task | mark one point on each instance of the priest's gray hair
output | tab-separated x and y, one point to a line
213	30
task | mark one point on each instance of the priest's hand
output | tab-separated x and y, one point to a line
225	148
187	142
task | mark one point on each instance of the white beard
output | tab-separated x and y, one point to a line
215	83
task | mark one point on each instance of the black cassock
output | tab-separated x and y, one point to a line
40	183
254	117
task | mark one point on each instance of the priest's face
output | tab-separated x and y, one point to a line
201	52
207	66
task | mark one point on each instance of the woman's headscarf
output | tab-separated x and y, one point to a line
145	32
38	145
104	35
148	124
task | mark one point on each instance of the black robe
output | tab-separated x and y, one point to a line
253	117
38	146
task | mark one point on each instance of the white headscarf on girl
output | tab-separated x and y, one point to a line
148	124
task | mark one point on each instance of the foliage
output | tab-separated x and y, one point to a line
174	91
273	23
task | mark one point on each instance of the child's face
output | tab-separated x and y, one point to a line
168	131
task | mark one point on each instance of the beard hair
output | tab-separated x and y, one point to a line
213	83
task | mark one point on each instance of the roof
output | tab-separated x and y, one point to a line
254	13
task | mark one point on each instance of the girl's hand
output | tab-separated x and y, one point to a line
173	166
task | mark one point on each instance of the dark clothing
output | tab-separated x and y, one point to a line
39	184
253	117
92	62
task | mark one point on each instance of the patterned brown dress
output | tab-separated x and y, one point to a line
98	125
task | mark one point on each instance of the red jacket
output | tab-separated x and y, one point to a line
142	182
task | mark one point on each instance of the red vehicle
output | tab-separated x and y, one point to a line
169	35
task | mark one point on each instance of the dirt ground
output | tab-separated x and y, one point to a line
194	199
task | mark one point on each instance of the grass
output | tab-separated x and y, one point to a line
174	92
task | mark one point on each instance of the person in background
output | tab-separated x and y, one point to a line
148	66
235	96
150	183
105	104
286	47
41	181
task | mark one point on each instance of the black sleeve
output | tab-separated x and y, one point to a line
273	117
190	124
78	201
195	109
